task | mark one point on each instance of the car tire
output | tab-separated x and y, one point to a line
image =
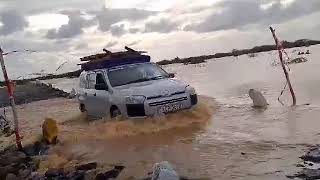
82	108
115	113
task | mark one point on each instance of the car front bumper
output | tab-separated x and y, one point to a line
152	107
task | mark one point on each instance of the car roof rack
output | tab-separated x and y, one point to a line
110	59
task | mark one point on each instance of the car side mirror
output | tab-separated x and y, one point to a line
101	86
171	75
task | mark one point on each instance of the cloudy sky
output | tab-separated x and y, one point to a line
65	30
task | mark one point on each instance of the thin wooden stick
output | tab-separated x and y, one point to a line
294	101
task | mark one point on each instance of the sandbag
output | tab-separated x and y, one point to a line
50	130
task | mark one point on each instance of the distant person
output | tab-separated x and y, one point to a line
258	99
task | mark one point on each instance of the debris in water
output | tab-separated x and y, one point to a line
308	52
258	99
302	53
300	165
298	60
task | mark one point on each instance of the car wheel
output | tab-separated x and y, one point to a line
115	113
82	108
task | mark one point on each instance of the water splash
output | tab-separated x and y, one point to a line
105	129
83	140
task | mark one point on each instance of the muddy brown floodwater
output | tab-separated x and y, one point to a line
222	138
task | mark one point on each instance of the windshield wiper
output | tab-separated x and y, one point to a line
156	77
144	79
138	80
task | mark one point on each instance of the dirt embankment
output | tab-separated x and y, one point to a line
29	92
235	52
72	74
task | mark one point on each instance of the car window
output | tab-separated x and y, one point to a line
91	78
83	80
135	73
100	79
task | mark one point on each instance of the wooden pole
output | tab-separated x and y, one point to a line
294	101
11	99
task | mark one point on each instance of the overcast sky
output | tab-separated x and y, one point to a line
65	30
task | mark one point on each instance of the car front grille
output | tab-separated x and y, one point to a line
159	96
135	110
159	103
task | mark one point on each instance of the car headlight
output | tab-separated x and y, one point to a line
190	90
135	99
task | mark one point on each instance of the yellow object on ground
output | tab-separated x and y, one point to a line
50	130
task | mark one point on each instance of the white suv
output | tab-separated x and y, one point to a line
132	90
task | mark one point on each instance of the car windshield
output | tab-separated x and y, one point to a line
135	73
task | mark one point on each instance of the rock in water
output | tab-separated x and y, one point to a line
72	94
36	149
86	167
312	155
164	171
112	174
54	172
258	99
306	173
11	176
50	130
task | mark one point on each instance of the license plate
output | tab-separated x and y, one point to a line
170	107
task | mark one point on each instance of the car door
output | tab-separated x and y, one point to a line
89	94
101	96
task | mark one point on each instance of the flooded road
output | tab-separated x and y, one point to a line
223	138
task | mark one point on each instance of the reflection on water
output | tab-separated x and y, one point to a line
223	138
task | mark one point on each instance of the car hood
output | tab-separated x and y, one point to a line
154	88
